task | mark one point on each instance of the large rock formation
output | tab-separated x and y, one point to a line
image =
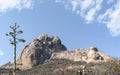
39	50
50	47
88	55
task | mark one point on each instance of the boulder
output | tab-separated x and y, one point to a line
93	53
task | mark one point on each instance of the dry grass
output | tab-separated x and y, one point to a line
60	67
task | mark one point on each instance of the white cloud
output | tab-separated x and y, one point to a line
74	4
85	4
93	11
87	9
90	15
112	19
1	53
6	5
90	10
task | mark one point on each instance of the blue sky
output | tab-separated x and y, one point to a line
78	23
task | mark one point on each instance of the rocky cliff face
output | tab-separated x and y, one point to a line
50	47
36	52
39	50
88	55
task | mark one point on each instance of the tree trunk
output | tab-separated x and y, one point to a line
15	59
14	73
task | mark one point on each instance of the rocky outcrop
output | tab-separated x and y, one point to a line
50	47
88	55
39	50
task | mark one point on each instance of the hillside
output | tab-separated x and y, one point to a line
46	55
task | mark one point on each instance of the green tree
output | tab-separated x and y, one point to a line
14	40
